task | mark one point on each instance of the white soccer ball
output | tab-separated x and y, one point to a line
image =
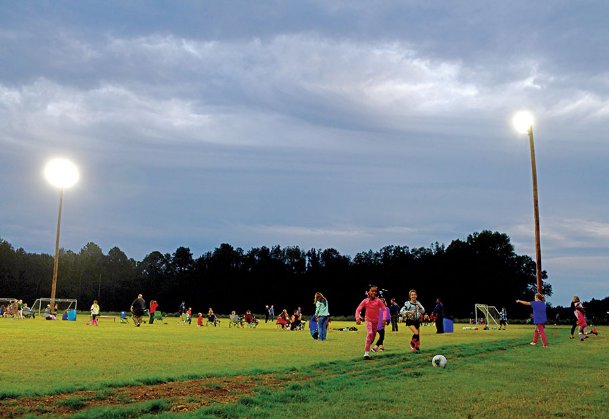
439	361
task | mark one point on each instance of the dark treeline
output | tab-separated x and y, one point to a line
481	269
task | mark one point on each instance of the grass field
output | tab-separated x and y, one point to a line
117	370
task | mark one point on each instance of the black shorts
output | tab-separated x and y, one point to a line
412	322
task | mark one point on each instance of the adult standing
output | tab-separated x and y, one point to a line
438	312
574	303
137	310
153	306
394	309
182	310
266	313
272	313
413	311
322	314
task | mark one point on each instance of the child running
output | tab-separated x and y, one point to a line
384	319
373	308
539	318
414	311
582	323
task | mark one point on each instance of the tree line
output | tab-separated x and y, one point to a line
483	268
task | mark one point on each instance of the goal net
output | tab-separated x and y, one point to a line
486	314
62	304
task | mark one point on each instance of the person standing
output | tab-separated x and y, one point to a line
272	313
539	318
94	313
266	313
503	318
574	303
152	310
20	309
182	311
394	309
137	309
438	312
322	315
413	311
374	306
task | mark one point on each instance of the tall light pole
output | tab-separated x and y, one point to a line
523	123
62	174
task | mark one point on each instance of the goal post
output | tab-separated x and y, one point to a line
489	313
62	304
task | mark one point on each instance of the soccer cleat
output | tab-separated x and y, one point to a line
366	356
381	348
533	343
375	349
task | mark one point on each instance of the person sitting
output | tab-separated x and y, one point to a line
28	312
48	314
250	319
211	317
235	320
64	316
296	321
283	319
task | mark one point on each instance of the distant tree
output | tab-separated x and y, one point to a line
483	268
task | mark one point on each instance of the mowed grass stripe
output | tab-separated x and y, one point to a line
479	362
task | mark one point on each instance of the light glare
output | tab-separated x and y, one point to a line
523	121
61	173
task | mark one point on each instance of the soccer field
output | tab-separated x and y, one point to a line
69	368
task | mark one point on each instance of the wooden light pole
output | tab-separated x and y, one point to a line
63	174
523	122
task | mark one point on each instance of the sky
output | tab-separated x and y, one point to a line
321	124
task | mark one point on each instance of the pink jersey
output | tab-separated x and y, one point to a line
373	309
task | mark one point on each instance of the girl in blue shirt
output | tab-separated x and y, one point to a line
539	318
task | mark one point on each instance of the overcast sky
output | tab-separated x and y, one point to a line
343	124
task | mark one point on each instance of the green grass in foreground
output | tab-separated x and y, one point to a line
490	373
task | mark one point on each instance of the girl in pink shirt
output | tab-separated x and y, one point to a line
374	306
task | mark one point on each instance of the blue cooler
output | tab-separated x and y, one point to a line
448	326
72	315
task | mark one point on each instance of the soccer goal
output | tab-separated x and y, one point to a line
488	314
7	300
62	304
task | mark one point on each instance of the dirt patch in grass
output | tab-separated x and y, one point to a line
182	396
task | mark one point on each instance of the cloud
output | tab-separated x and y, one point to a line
325	126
